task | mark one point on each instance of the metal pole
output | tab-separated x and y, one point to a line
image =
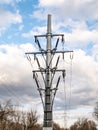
48	121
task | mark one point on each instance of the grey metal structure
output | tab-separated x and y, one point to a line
48	73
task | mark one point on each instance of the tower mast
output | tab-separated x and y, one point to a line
48	73
48	92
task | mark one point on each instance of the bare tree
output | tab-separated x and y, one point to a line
24	120
12	119
83	124
56	126
6	114
32	119
96	111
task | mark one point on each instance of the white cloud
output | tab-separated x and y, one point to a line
86	66
71	9
77	33
15	72
8	18
50	3
35	31
81	37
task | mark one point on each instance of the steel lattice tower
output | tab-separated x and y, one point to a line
48	73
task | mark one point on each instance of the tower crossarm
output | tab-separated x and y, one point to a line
61	51
36	53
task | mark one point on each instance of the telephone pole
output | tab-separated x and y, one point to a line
48	73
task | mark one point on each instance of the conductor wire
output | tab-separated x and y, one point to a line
65	104
70	84
65	93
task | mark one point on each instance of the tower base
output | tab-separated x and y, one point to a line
47	128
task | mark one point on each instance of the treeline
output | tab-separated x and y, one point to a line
80	124
13	119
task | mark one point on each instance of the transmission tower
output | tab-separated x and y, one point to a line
48	72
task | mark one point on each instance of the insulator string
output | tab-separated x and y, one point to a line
29	59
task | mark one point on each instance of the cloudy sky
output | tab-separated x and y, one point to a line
20	20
